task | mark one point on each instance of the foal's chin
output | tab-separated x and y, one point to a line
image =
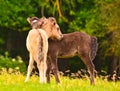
57	39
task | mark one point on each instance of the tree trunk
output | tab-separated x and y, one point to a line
98	63
16	44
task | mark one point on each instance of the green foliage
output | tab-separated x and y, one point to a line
14	13
12	63
109	18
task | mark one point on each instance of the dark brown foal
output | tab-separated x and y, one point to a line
72	44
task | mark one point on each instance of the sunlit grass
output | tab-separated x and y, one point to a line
15	82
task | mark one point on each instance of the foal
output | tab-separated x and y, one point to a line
37	44
72	44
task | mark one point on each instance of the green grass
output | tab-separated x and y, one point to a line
15	82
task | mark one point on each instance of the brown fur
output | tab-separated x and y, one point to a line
37	44
72	44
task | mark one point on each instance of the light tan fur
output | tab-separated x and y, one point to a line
33	44
37	44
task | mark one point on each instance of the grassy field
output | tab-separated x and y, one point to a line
15	82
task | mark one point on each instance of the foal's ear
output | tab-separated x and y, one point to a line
32	20
42	21
52	20
39	23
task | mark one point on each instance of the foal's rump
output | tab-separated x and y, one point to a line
36	43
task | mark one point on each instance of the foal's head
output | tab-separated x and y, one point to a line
48	24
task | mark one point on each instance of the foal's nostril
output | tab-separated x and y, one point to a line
61	36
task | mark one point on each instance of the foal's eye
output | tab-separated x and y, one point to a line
58	28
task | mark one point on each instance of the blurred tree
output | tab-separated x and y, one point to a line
111	43
96	17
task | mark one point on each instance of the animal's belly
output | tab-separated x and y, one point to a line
67	54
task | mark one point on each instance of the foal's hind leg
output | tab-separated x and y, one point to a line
90	67
30	67
42	67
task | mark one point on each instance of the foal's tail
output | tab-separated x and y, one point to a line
43	45
94	47
40	47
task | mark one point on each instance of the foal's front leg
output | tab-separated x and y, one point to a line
48	71
30	67
55	69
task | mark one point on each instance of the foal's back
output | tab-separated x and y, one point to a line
70	44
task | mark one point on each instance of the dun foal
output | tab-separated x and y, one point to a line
72	44
37	44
